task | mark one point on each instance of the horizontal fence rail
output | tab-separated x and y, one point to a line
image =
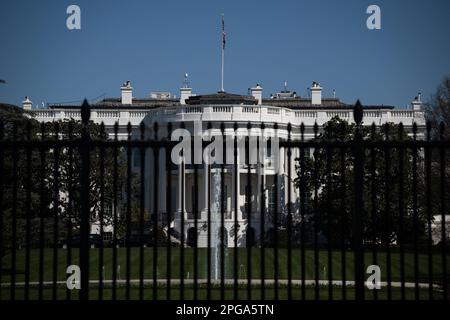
338	212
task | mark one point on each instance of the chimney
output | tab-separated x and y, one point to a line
127	93
316	94
416	104
27	103
185	93
186	90
256	92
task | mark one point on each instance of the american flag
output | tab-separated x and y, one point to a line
223	33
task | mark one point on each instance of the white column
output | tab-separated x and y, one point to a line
258	181
289	180
181	188
282	180
206	190
236	182
262	181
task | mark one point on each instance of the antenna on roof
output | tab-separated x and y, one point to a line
285	86
334	93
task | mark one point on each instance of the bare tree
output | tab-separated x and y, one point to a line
437	113
438	107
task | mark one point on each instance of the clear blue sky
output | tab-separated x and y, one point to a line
153	43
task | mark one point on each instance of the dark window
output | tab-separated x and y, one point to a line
272	199
192	212
250	237
247	201
191	237
269	147
107	236
225	197
136	158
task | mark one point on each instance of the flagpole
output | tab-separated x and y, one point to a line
222	70
223	53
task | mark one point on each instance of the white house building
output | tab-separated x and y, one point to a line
268	117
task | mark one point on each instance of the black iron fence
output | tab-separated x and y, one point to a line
357	212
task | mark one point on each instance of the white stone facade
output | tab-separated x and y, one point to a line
182	177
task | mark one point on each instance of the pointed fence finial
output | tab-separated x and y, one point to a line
358	113
85	112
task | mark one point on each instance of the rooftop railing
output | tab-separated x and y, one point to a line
235	113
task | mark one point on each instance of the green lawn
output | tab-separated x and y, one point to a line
48	270
161	294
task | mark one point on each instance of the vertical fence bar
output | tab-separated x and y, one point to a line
1	202
128	215
302	212
373	202
387	209
182	235
329	157
182	213
29	151
115	213
196	217
42	207
142	213
70	208
343	207
401	209
358	205
155	212
316	218
236	210
429	216
85	208
415	216
443	208
248	196
14	215
169	213
275	225
56	170
101	260
223	199
208	257
289	212
263	213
